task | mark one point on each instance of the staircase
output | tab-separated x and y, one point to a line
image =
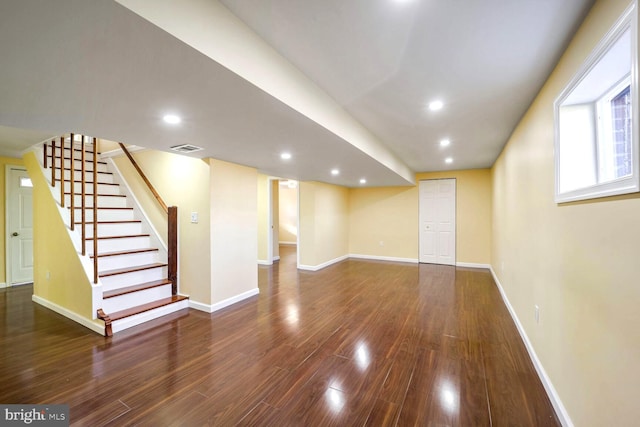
130	259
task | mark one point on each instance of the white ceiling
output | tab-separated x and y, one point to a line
95	67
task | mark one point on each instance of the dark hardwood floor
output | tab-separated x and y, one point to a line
358	343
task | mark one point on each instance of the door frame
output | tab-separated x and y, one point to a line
455	216
7	219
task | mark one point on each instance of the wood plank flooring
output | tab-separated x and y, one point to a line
358	343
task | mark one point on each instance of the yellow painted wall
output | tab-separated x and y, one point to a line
4	162
288	215
275	215
234	229
577	262
263	218
390	215
183	182
324	223
53	252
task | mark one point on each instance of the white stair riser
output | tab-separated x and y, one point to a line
134	278
77	175
88	188
88	165
107	214
128	322
117	229
128	260
120	244
122	302
103	201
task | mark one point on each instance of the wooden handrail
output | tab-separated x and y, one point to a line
144	178
172	226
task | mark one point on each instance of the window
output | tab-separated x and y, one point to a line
596	120
25	182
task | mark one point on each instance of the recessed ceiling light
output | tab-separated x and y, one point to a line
335	172
285	156
363	181
172	119
448	160
444	142
436	105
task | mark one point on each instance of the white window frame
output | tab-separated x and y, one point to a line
624	185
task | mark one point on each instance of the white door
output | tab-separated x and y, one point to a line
438	221
19	227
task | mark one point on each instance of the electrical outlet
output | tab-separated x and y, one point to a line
381	242
194	217
48	275
537	314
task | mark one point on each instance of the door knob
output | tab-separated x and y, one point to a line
14	234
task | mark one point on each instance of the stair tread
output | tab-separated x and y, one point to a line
80	170
124	236
131	269
133	251
146	307
99	194
135	288
90	182
100	162
127	221
99	207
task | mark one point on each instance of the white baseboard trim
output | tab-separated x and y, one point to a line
384	258
323	265
264	262
276	258
561	411
473	265
288	243
88	323
210	308
3	285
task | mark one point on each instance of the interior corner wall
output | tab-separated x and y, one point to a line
181	181
4	163
384	221
288	215
576	261
275	217
324	224
234	231
263	219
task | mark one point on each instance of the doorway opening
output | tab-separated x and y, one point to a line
18	227
438	221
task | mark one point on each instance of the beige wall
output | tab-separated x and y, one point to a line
58	275
183	182
576	261
4	163
234	230
324	223
390	215
275	216
263	218
288	215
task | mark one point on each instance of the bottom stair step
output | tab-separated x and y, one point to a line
124	319
145	307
